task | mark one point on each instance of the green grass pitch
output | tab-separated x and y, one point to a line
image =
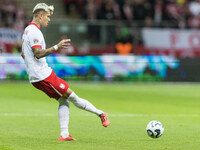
28	118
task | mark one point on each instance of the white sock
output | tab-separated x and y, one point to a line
83	104
63	115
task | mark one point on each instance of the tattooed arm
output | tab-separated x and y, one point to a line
39	52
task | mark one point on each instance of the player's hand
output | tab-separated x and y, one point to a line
64	43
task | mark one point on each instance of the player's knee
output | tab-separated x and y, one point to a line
63	101
68	93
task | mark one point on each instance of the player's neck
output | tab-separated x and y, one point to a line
36	22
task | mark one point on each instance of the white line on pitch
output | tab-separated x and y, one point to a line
26	115
111	115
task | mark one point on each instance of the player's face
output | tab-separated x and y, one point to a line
45	19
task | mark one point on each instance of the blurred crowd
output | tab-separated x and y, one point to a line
180	14
12	15
154	13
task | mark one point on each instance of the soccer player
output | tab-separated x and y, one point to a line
43	77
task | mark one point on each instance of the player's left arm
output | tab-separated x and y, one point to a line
39	52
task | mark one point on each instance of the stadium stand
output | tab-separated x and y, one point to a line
99	26
28	6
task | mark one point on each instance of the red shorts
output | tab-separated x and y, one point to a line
53	86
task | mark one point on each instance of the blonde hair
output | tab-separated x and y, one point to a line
44	7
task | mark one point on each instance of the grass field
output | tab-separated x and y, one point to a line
28	118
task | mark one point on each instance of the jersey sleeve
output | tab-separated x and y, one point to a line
35	39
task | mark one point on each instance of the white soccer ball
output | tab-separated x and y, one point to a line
154	129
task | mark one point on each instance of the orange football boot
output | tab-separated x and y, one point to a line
69	138
104	120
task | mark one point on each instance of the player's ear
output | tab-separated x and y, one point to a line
40	14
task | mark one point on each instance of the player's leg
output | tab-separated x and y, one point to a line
63	115
81	103
86	105
54	90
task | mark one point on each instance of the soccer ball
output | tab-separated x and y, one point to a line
154	129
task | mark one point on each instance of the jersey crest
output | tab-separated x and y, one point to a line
35	41
62	86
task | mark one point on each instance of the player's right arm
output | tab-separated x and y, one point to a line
39	52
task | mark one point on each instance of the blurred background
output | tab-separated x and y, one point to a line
112	40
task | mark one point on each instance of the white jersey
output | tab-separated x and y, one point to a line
37	69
